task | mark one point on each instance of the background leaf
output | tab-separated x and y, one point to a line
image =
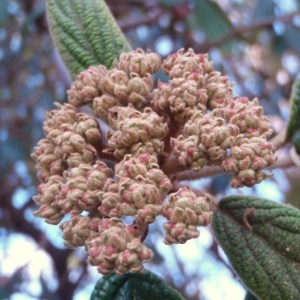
296	140
3	11
262	240
138	286
205	11
264	9
293	130
85	33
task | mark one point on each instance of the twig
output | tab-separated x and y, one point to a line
202	173
241	30
148	20
279	140
142	3
284	161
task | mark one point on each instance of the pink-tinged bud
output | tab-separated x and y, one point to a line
113	80
94	253
137	129
179	233
185	211
149	213
245	163
51	214
86	86
139	62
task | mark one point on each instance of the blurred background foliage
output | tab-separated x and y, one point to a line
256	43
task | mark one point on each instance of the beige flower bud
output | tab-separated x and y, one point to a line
76	231
131	259
179	233
248	116
101	105
65	114
116	247
181	98
88	128
149	213
114	81
109	202
218	87
88	155
247	159
138	128
47	198
185	211
181	63
189	152
86	86
138	89
51	214
139	62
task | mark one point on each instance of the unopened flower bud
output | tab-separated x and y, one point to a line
139	62
76	231
86	86
185	211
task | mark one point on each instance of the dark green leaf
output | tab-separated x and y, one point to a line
85	33
3	11
137	286
262	240
11	151
293	130
292	37
211	19
263	9
296	141
170	3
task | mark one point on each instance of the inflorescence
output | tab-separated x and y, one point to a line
99	178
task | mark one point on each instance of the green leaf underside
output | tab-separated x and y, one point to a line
85	33
293	130
137	286
267	258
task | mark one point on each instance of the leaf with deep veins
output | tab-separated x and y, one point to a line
262	240
85	33
138	286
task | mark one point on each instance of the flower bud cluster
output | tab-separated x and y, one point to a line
76	231
48	201
129	82
142	188
247	159
70	140
247	115
205	140
212	120
237	142
82	185
193	85
137	132
98	194
73	192
185	211
86	86
116	246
